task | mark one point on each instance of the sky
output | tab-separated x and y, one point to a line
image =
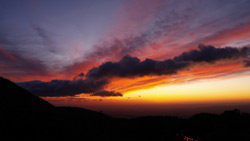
115	55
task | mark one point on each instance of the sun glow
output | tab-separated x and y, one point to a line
199	91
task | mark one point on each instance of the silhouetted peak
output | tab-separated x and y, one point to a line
15	98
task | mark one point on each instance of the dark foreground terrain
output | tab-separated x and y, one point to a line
26	117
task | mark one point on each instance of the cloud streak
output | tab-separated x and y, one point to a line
106	93
56	88
12	64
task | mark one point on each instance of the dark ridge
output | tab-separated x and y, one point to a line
17	99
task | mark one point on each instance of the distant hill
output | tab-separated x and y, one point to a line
27	117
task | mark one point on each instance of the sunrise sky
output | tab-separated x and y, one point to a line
128	55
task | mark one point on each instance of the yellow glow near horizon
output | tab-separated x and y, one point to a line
216	90
234	89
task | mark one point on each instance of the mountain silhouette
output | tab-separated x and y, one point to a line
27	117
24	116
17	99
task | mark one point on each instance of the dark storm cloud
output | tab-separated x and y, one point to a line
98	77
211	54
106	93
63	87
131	67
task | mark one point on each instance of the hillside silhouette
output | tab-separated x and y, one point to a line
24	116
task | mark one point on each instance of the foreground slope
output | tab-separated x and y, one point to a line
13	97
24	116
27	117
